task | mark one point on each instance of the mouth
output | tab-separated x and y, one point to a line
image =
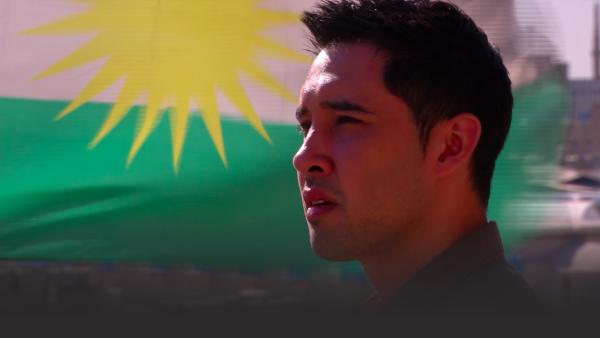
317	204
318	210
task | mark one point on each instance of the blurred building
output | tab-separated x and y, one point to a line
520	31
582	148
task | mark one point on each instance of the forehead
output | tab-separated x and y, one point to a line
348	68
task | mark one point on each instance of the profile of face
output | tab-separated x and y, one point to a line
361	168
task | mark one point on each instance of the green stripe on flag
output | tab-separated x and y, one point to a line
529	162
61	201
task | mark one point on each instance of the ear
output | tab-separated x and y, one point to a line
452	143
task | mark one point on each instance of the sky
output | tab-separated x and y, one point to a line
573	32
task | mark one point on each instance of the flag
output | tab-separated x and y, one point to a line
163	131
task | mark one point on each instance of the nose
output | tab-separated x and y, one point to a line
314	156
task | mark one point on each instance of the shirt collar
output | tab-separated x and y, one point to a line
478	248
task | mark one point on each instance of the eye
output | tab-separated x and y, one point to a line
303	128
346	119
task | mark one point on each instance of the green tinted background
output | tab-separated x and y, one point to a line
62	202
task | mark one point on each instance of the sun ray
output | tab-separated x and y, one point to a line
276	17
107	76
268	81
91	51
80	23
146	123
234	91
280	50
172	50
210	115
179	123
130	92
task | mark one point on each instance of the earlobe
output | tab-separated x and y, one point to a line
455	140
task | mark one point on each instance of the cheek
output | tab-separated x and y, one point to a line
360	165
376	171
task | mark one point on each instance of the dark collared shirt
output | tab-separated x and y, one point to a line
471	275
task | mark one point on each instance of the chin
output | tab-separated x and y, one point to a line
331	252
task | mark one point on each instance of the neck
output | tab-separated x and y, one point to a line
392	266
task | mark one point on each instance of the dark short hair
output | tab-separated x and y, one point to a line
440	63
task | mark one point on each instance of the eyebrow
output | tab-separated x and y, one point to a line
342	105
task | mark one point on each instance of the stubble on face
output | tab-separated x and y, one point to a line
376	163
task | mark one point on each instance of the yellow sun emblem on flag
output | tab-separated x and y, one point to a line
173	54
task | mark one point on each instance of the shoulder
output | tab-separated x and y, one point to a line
472	274
494	286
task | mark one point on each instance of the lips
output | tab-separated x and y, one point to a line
317	203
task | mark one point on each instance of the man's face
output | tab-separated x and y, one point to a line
360	167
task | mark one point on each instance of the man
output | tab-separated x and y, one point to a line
404	112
